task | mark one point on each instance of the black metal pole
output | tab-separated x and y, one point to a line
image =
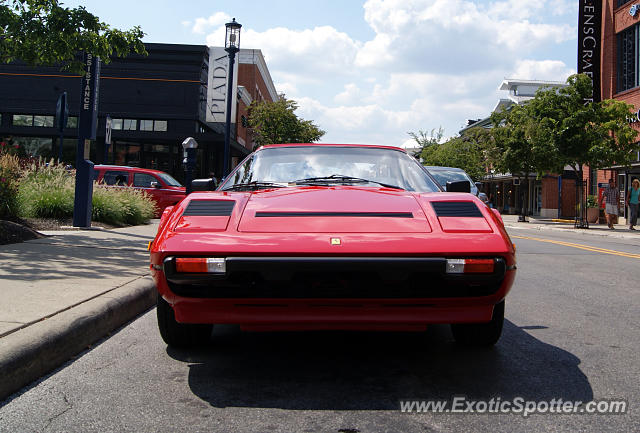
227	126
60	147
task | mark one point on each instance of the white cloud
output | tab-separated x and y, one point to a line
451	34
320	50
548	70
289	89
429	63
215	20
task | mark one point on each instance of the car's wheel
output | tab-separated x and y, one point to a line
480	334
179	334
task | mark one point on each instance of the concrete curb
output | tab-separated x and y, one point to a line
620	234
34	351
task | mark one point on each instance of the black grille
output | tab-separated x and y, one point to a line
334	278
456	209
209	208
335	214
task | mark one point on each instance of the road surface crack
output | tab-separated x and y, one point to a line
58	415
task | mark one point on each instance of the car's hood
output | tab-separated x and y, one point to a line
343	209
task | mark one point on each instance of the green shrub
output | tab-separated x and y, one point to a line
592	201
9	176
46	191
121	206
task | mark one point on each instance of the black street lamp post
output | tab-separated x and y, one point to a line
231	46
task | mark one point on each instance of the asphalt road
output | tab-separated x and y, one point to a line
571	333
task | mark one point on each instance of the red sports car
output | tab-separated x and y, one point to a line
339	237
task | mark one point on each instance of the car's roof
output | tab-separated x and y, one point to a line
332	145
126	167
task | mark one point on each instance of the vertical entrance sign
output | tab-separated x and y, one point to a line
590	44
87	123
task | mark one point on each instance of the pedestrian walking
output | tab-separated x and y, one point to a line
632	198
611	197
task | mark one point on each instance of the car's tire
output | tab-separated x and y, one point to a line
480	334
179	334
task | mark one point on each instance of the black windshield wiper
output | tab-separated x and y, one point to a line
338	178
256	184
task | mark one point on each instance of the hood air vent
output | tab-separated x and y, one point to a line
209	208
456	209
334	214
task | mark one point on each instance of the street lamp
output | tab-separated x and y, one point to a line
231	46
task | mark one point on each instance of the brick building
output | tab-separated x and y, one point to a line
620	79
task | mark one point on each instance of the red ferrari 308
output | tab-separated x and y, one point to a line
331	237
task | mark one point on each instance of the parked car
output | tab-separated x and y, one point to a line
340	237
164	189
451	174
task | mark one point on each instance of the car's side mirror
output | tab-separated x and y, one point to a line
155	185
203	185
459	186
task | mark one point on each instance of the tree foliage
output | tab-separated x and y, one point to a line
468	151
522	144
42	32
556	128
276	122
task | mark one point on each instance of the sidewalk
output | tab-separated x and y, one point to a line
621	231
64	292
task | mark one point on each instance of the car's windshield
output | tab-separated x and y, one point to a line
168	179
330	165
445	174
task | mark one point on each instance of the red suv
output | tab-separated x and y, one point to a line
165	190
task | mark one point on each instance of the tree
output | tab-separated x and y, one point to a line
522	146
276	122
593	134
41	32
467	151
556	128
426	141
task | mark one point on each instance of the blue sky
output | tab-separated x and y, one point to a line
370	71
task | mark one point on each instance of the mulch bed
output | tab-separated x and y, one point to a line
12	232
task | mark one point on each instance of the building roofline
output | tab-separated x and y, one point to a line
507	83
254	57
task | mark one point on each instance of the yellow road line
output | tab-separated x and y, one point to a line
582	247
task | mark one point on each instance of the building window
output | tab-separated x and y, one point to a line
45	121
31	120
153	125
22	120
146	125
627	62
129	124
160	125
124	124
72	122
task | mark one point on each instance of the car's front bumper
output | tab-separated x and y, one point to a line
334	292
